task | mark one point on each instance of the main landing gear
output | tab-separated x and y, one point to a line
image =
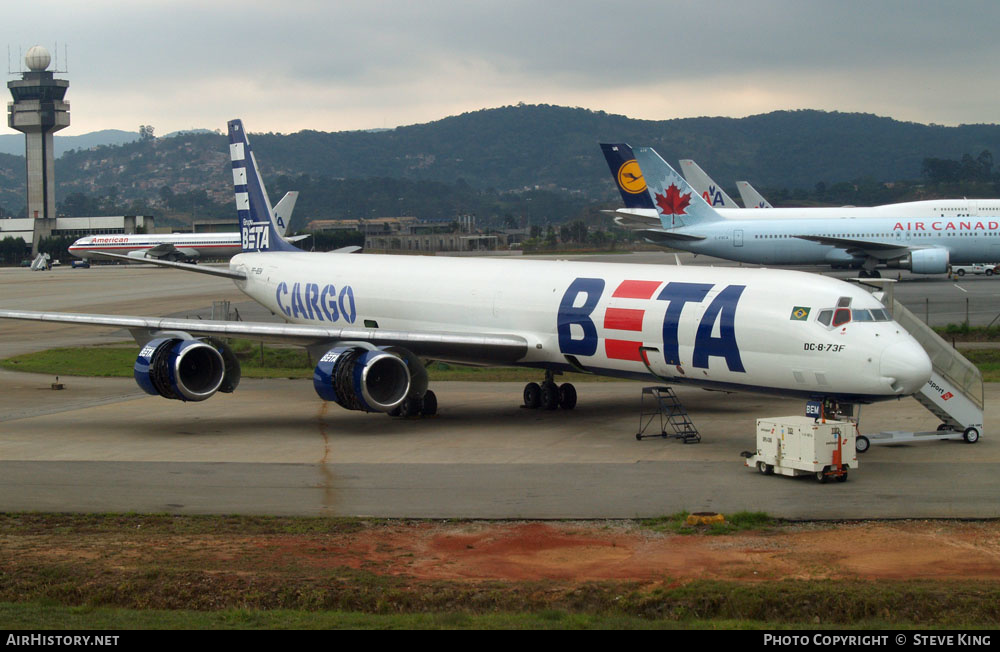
417	406
548	395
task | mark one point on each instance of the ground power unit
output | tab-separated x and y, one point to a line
804	446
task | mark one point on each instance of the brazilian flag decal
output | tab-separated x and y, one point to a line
799	313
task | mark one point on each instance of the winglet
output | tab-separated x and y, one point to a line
676	202
253	208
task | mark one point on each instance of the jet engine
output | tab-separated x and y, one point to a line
924	261
361	379
186	369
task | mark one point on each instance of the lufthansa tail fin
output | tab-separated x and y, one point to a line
625	171
710	191
253	208
676	202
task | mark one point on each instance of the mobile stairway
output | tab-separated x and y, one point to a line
954	394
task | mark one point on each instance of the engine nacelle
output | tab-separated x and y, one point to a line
924	261
360	379
186	369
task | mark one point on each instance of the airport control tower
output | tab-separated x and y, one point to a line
38	110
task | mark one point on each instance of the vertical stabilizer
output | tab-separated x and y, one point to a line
676	202
283	211
710	191
625	171
253	208
751	198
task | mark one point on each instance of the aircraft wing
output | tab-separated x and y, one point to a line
855	246
475	348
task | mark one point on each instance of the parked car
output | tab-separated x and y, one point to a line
975	268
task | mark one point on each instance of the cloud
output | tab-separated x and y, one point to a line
332	66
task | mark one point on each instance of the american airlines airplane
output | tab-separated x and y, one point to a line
751	198
703	184
713	193
924	237
373	320
178	246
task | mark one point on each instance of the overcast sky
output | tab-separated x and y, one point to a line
332	66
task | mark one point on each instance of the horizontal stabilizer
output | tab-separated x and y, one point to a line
665	236
201	269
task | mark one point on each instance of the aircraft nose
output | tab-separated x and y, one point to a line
906	366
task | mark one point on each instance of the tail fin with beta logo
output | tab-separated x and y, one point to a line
253	208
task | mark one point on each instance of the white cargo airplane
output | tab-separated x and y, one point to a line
924	237
372	321
178	246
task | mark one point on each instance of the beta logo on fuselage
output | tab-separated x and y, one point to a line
310	301
583	295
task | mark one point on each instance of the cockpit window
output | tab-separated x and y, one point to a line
861	315
844	302
824	317
841	316
880	314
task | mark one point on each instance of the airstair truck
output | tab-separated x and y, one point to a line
798	445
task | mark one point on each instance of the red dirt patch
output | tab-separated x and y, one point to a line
564	551
576	551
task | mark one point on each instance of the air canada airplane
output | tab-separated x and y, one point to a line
373	320
178	246
924	237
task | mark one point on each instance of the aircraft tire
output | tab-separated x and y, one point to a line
567	396
532	396
411	407
430	406
550	396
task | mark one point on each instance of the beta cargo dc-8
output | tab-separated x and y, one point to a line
373	321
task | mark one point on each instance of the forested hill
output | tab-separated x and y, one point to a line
516	147
512	149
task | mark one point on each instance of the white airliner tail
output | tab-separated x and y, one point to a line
677	203
710	191
283	211
751	198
